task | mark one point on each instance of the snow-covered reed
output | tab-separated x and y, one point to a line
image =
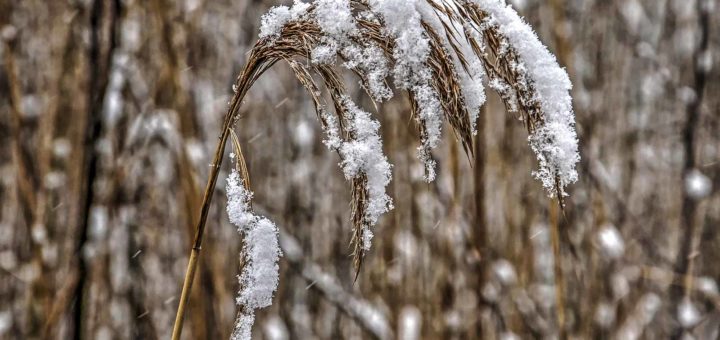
441	53
259	278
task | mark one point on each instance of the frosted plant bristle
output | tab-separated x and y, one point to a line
555	143
273	21
260	275
363	154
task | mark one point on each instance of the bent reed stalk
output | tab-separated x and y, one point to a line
442	85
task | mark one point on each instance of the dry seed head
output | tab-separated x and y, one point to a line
440	52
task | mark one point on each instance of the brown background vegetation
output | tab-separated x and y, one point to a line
109	111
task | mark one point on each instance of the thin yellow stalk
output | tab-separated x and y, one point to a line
559	277
207	198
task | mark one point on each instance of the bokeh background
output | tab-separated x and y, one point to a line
110	110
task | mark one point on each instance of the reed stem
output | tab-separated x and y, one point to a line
205	208
559	277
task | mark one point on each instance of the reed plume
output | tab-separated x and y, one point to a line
440	52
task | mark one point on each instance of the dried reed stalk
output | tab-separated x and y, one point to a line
558	272
690	229
26	191
294	45
255	67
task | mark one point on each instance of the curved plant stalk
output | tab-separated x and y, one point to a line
197	242
245	79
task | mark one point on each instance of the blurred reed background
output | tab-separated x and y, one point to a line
109	112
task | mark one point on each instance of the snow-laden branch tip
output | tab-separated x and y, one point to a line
554	142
